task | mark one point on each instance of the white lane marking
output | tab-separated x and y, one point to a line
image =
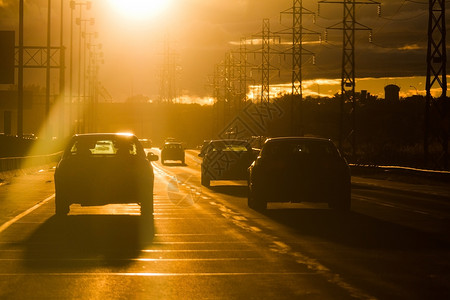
163	274
191	250
138	259
194	243
312	264
20	216
369	200
422	212
187	234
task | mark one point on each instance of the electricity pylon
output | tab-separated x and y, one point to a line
297	51
348	26
243	66
437	110
168	74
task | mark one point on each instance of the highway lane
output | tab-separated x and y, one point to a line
206	243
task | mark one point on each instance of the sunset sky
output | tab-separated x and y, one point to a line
202	31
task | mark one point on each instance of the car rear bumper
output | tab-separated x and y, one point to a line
279	190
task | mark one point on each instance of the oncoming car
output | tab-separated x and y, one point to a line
104	168
299	169
172	151
226	159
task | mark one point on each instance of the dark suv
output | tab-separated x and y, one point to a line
299	169
172	151
226	159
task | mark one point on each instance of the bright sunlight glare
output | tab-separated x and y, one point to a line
140	9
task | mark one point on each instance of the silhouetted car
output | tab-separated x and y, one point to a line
299	169
203	147
172	151
146	143
226	159
102	168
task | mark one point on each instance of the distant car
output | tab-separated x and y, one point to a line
172	151
203	147
299	169
102	168
146	143
226	159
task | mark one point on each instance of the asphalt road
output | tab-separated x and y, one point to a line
205	243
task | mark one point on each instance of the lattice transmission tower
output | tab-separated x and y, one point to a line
168	74
296	31
348	26
437	110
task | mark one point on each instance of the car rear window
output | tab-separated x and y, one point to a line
299	148
226	147
173	146
103	147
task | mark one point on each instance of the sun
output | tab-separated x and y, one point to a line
140	9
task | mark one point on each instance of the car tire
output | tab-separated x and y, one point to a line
147	207
256	200
342	202
205	180
62	208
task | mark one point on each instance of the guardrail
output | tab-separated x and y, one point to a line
16	163
370	169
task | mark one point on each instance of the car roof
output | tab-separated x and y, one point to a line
173	143
103	134
228	141
297	138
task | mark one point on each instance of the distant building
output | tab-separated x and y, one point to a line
391	92
363	96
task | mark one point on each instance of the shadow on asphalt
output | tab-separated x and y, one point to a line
174	164
354	229
347	228
76	241
234	190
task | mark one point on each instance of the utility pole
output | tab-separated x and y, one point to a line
62	77
168	74
20	74
265	62
48	133
32	57
348	26
88	96
241	66
75	115
95	59
437	110
79	21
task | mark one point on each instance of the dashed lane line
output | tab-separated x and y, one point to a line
4	226
164	274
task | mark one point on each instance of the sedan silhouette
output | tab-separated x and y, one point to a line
299	169
102	168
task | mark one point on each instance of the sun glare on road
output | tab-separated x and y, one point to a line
140	9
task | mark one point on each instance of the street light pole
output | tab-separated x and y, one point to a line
81	22
47	85
20	75
62	77
78	113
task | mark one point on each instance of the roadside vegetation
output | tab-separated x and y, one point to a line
387	132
